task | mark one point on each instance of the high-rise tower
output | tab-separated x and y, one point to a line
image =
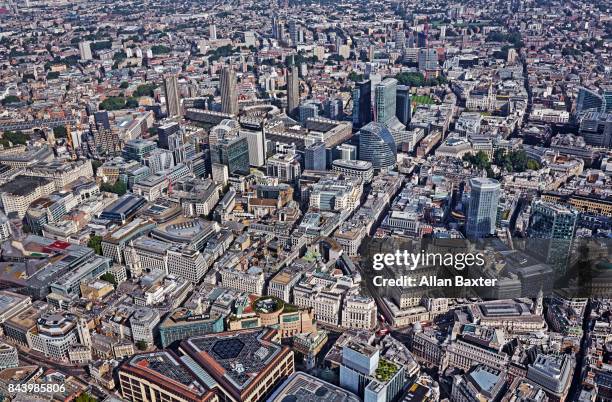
173	97
229	96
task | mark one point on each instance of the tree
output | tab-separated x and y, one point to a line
85	397
160	49
95	164
110	278
124	85
118	187
10	99
532	165
142	345
480	160
113	103
60	132
145	90
15	137
411	79
131	103
95	242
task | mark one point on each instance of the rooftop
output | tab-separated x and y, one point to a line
302	387
24	185
237	358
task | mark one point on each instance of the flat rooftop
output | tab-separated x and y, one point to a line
302	387
23	185
236	358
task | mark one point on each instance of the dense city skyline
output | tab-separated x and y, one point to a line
290	201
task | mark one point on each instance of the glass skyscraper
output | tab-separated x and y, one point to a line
482	210
233	153
376	145
402	104
385	96
315	157
588	100
551	232
362	103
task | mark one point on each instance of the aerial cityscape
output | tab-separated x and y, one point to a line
305	200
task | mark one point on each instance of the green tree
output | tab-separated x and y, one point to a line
60	132
95	164
110	278
480	160
10	99
118	187
113	103
145	90
95	242
533	165
131	103
411	79
15	137
141	345
160	49
85	397
124	85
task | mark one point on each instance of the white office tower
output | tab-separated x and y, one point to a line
85	51
257	147
220	174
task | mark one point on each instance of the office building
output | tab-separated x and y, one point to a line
101	120
354	168
596	128
304	387
553	373
257	147
229	91
307	110
165	131
293	90
385	99
246	365
402	104
482	383
55	333
158	160
345	152
162	376
233	152
359	312
137	149
143	324
212	32
365	373
124	209
482	210
315	157
183	324
8	356
428	60
551	232
334	109
220	174
362	103
421	39
377	146
19	193
12	304
284	166
172	95
606	107
85	50
588	100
